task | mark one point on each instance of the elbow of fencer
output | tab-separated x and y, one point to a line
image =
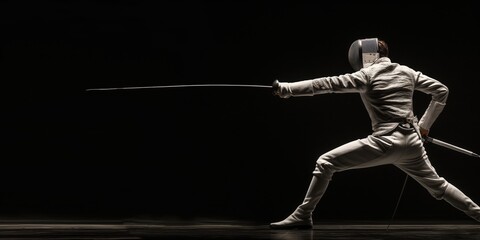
444	94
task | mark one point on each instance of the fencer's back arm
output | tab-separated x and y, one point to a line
439	93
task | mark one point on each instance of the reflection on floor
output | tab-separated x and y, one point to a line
234	230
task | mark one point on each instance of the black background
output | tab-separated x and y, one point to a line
216	152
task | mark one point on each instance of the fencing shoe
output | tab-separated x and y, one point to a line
294	221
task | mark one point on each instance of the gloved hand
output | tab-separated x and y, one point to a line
279	90
424	132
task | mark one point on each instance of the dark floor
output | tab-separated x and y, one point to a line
235	230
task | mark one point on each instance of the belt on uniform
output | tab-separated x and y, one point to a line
409	123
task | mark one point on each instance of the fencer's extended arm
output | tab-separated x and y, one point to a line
354	82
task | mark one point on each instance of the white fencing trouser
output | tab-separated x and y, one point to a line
402	148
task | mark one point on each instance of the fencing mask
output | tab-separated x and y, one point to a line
363	52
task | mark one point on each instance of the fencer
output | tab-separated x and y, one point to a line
386	89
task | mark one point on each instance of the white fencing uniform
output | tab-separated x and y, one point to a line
386	89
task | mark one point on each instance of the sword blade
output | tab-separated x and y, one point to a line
451	146
179	86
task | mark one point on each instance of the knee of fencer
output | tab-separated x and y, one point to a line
323	169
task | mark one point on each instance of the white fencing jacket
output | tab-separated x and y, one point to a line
386	89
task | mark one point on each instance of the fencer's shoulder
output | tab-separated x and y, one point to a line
405	68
